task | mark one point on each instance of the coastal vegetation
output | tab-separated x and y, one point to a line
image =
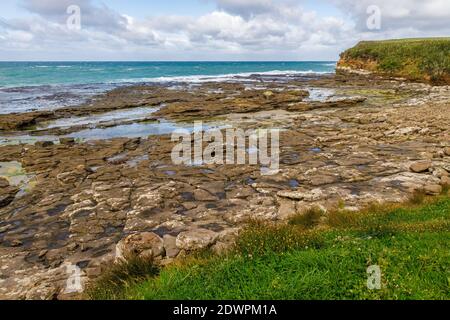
314	256
414	59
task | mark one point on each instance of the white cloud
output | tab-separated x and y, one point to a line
423	16
93	16
246	8
237	29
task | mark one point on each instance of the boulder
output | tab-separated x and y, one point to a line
144	245
420	166
196	239
433	189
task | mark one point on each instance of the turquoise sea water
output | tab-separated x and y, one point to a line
18	74
26	86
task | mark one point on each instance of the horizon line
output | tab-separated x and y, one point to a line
166	61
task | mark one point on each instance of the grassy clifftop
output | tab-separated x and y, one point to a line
414	59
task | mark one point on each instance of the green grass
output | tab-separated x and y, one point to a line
415	59
308	259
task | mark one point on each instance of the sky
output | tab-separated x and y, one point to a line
209	30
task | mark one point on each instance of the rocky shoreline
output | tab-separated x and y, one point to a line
347	140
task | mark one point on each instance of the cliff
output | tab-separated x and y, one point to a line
414	59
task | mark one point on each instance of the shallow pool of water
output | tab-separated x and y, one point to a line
16	175
142	129
117	115
134	130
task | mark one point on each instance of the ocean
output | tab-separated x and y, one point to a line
28	86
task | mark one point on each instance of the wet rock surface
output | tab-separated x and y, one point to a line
94	202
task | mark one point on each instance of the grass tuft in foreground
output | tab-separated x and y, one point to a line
121	276
316	256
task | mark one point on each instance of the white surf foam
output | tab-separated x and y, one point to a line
225	77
